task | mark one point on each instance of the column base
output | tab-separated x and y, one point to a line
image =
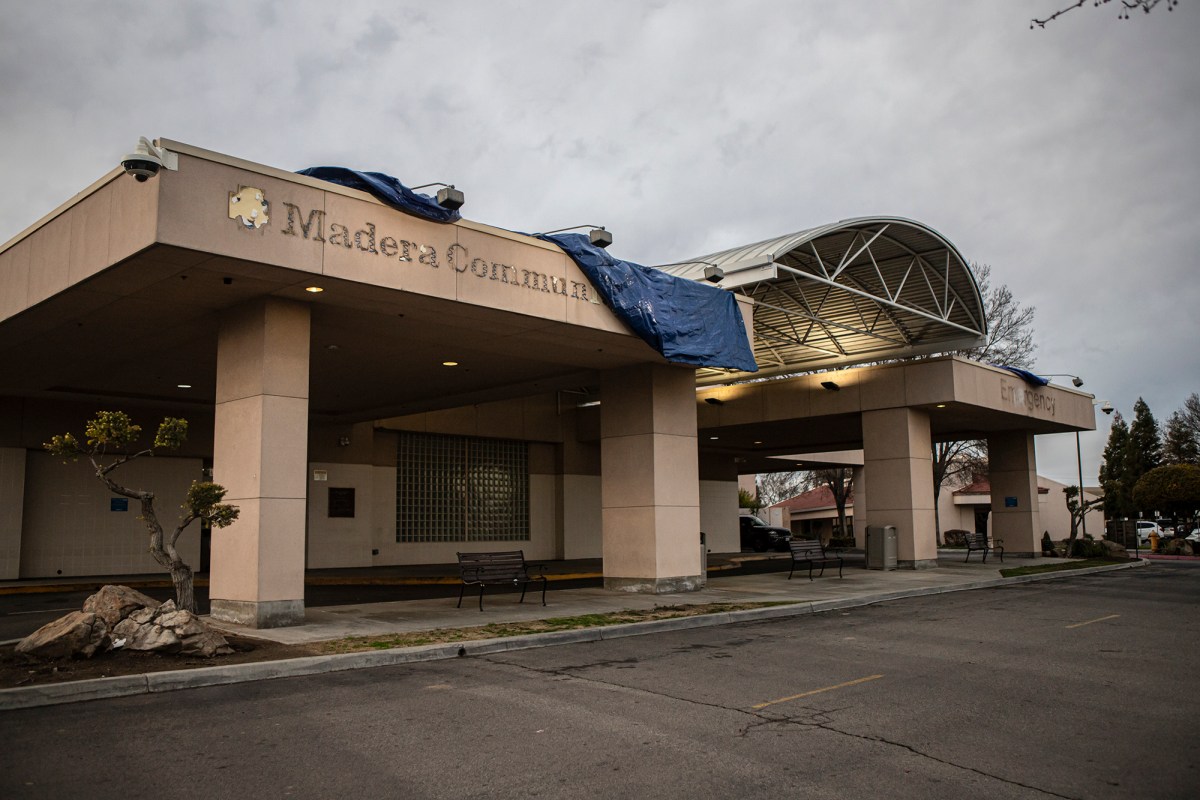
258	614
921	563
686	583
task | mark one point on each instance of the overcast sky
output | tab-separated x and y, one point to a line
1066	158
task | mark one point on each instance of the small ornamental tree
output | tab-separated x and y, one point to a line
111	441
1077	511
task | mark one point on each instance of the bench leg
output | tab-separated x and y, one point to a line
985	552
792	569
544	583
481	597
810	569
461	589
524	586
840	564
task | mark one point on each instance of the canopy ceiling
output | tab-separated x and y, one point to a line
859	290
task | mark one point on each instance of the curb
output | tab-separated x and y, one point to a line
174	680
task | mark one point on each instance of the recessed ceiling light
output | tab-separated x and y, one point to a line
313	289
332	347
757	442
449	363
941	405
714	438
183	386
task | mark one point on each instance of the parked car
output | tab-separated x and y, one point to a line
760	537
1145	527
1194	536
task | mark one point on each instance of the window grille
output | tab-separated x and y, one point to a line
460	489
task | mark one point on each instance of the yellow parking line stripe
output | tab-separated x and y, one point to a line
817	691
1090	621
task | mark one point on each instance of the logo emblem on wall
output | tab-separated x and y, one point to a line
250	206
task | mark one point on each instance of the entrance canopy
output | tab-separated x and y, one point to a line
859	290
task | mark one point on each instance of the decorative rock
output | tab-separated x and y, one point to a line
115	603
78	634
170	630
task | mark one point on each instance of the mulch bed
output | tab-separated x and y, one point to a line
16	671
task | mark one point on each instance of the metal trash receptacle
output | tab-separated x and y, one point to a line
881	547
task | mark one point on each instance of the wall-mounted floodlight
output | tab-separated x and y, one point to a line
448	198
598	236
1076	381
831	386
145	162
712	272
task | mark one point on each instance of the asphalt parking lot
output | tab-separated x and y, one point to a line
1069	688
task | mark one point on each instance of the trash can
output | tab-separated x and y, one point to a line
881	547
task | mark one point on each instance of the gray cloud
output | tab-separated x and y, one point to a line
1064	157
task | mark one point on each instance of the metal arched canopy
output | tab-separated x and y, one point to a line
854	291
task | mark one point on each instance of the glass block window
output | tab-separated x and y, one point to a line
460	489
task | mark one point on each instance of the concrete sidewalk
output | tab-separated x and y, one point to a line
800	596
857	586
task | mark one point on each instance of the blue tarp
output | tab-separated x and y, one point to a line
388	190
1025	375
688	322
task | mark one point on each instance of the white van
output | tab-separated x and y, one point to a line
1145	527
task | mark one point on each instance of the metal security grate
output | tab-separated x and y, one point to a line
460	489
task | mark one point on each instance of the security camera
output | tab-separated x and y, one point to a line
1107	408
145	162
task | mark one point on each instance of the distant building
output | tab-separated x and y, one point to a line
814	513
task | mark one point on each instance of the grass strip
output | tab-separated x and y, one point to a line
1013	572
497	630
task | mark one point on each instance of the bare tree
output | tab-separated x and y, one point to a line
111	437
840	482
776	486
1124	6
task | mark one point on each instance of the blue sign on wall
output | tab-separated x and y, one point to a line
118	504
1010	502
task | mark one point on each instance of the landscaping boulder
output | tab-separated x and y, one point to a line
168	629
77	635
1175	547
115	603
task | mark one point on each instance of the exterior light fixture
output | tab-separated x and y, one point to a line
1076	381
713	438
940	405
449	363
449	198
313	289
343	441
712	272
831	386
598	236
756	441
183	386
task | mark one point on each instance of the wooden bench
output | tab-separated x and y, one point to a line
810	551
979	541
506	568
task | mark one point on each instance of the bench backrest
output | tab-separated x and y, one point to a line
976	541
503	566
807	548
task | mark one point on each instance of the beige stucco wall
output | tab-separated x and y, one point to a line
69	529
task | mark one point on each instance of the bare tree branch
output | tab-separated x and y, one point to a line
1126	6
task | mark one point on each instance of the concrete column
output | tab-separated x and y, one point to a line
1012	470
898	466
260	456
860	507
649	484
